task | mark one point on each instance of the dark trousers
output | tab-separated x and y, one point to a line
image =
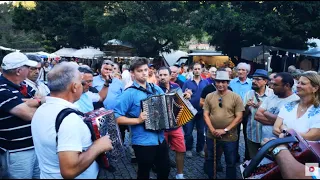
123	131
188	128
229	149
244	131
147	156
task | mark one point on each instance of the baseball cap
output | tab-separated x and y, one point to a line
150	65
16	59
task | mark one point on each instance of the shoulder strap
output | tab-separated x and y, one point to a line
62	114
214	86
255	94
142	89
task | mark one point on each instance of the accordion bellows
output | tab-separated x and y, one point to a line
167	111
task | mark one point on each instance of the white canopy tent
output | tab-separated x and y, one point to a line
172	57
88	53
8	49
65	52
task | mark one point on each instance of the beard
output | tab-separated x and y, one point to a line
255	87
162	82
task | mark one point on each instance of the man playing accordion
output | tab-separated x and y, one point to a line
149	146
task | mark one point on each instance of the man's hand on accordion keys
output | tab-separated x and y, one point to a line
103	144
143	116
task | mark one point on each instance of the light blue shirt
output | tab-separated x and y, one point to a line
84	104
182	78
241	88
128	105
115	90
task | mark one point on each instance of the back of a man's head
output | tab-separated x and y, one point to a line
61	76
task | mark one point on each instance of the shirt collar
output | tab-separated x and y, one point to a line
138	85
28	81
267	92
60	101
201	79
9	83
248	80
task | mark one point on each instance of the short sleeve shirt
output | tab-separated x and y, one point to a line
273	104
15	133
222	117
310	119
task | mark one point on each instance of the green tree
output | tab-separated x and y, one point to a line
10	37
62	24
236	24
150	26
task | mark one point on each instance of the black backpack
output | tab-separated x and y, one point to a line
64	113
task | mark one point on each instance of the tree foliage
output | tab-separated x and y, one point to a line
158	26
151	26
10	37
237	24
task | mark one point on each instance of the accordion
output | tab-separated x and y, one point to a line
264	167
104	123
167	111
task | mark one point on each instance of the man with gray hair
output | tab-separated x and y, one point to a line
18	156
33	80
70	153
85	103
241	85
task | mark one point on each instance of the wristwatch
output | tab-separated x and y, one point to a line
276	150
226	130
106	85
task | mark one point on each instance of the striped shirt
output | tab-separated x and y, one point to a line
15	133
254	128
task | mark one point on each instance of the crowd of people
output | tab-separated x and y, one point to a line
33	93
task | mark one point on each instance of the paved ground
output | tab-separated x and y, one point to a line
193	167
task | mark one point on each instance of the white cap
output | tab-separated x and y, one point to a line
16	59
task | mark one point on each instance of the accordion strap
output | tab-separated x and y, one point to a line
62	114
144	90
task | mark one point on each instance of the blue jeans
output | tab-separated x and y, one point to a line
20	165
188	128
230	154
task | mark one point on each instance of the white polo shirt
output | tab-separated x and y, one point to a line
74	135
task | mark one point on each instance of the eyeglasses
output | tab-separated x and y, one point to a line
220	102
85	82
257	79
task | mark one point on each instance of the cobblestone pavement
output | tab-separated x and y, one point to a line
193	167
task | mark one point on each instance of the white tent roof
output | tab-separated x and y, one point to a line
88	53
65	52
172	57
8	49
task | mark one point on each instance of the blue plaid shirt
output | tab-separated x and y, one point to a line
254	128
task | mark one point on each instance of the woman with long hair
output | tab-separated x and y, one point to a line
303	116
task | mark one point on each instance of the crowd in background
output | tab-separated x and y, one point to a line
228	101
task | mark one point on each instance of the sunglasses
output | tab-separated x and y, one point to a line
220	102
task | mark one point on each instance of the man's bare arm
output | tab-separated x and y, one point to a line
23	111
73	163
236	120
201	102
207	120
103	93
290	168
260	117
